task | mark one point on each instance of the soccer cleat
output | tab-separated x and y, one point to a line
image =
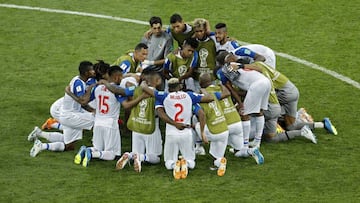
124	159
183	168
329	126
308	134
36	149
80	155
137	163
177	170
87	157
256	154
200	150
222	168
48	123
33	135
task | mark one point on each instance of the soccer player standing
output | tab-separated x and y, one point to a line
179	30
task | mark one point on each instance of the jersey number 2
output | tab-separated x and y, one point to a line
181	108
103	105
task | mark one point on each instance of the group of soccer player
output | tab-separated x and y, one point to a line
207	90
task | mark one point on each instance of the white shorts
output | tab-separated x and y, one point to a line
148	143
288	97
257	97
55	108
175	143
73	124
236	136
218	142
107	139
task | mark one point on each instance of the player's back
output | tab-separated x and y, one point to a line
178	106
107	104
249	77
69	104
265	51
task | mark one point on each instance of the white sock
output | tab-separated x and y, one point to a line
244	152
246	130
52	136
259	122
190	164
95	154
217	162
54	146
319	125
57	126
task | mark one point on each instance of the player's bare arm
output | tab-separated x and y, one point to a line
202	120
224	92
188	74
84	100
259	57
128	104
162	114
147	89
113	88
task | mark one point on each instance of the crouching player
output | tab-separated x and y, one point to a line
175	108
106	134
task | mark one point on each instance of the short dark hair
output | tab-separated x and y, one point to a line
191	42
114	69
155	20
220	25
141	46
84	67
220	58
101	68
175	18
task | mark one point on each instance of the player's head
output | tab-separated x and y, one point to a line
155	25
174	85
101	70
141	52
225	57
188	47
200	28
86	69
220	32
152	78
115	74
177	23
205	80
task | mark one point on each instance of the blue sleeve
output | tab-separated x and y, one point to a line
244	52
125	65
220	75
218	95
196	108
167	64
212	34
90	81
130	91
160	97
234	44
78	88
168	30
195	97
195	60
120	98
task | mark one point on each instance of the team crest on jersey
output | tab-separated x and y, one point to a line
182	70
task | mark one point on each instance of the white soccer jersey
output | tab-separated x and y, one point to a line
179	107
107	107
78	87
229	46
249	77
126	80
270	58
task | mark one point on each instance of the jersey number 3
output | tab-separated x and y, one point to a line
103	105
181	108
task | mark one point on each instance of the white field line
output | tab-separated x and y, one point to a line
284	55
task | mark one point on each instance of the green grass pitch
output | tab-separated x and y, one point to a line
40	53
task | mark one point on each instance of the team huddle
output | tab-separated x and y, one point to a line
209	90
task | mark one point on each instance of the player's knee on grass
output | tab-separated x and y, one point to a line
169	164
190	164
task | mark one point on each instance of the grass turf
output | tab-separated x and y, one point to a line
41	51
